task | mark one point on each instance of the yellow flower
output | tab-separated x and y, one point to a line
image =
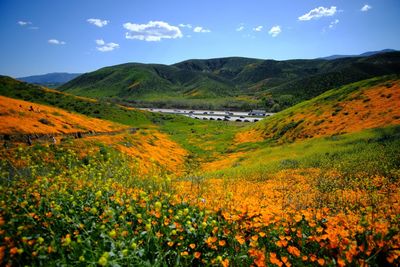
148	227
67	240
112	233
102	261
158	205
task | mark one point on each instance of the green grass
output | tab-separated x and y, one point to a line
172	100
203	139
371	152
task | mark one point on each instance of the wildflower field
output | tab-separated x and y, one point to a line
180	192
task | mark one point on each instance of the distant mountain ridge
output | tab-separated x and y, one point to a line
229	83
53	80
366	54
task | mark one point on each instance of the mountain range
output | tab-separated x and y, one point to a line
51	80
223	83
229	83
366	54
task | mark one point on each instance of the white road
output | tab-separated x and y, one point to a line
219	115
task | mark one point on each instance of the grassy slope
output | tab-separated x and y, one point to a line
22	117
224	81
93	108
372	152
365	104
134	80
148	150
366	110
204	140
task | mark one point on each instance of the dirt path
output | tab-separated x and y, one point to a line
57	137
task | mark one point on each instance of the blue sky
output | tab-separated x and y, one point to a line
44	36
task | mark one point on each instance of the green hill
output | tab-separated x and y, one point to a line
352	129
370	103
99	109
229	82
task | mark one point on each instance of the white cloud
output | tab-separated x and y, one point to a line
365	8
185	25
258	28
200	29
100	42
333	23
153	31
275	31
318	13
98	22
24	23
240	28
105	47
56	42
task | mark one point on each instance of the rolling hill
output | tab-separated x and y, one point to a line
30	112
22	117
352	131
366	104
51	80
10	87
235	83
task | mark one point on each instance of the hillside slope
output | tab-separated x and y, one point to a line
229	82
16	89
22	117
362	105
148	151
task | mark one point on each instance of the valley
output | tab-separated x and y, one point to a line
317	183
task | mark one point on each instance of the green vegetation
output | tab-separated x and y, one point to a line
277	125
370	152
98	109
234	83
205	140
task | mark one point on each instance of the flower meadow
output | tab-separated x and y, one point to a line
59	206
